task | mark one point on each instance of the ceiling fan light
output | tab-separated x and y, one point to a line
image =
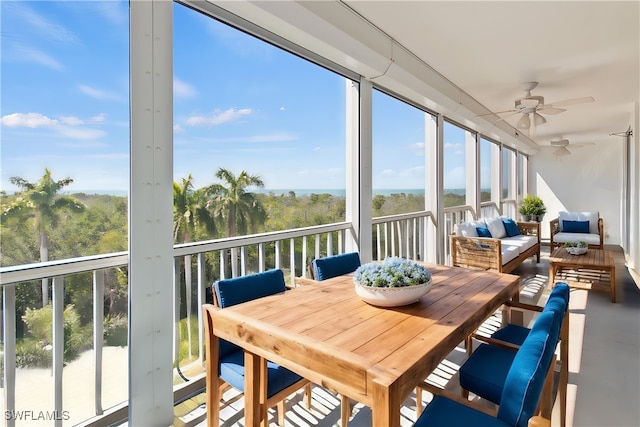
524	122
538	119
561	151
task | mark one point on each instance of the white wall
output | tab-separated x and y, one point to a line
589	179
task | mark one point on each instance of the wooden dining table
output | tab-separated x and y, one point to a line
377	356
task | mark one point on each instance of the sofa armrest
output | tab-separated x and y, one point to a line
601	232
478	252
529	229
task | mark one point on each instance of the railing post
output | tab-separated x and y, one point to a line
98	335
9	347
292	260
58	345
187	285
202	292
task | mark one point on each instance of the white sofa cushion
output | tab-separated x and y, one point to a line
496	227
509	253
591	239
468	229
592	217
521	241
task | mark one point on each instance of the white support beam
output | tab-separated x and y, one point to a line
150	214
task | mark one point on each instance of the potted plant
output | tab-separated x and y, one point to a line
577	247
392	282
532	208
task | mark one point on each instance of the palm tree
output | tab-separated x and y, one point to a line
232	205
189	216
190	212
41	201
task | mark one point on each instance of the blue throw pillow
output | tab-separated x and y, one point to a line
575	226
511	227
483	232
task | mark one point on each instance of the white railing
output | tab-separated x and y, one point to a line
397	235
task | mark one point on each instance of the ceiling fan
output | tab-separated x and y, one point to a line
561	149
532	107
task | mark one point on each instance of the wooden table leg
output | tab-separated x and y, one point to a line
386	405
252	389
612	278
552	275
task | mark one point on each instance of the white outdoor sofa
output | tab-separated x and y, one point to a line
505	249
572	226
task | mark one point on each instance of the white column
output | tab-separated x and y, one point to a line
358	159
150	214
472	167
433	176
496	175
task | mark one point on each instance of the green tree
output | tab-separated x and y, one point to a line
190	211
239	210
41	201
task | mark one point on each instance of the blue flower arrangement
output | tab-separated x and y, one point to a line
393	272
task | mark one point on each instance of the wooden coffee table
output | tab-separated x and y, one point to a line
593	270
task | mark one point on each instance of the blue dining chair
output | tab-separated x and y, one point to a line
281	382
521	392
336	265
326	268
484	373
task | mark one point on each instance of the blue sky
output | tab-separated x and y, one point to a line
239	103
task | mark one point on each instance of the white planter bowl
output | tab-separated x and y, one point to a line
392	297
576	250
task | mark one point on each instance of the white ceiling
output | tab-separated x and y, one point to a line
573	49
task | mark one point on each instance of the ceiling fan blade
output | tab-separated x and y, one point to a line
524	122
582	144
499	112
574	101
551	110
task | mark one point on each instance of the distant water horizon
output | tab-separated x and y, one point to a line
297	191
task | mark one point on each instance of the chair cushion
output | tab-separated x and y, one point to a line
466	229
575	226
443	412
509	253
336	265
278	378
496	227
483	232
246	288
562	237
511	227
592	217
515	334
558	302
521	241
485	371
524	382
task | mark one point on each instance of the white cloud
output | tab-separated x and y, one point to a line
183	89
317	149
29	120
71	120
99	94
281	108
51	30
29	54
98	119
388	173
177	129
219	117
276	137
80	132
